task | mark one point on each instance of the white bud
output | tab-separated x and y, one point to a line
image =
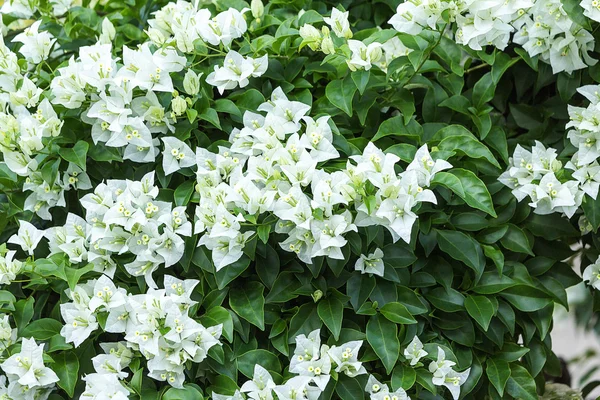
311	36
257	8
156	36
191	83
108	29
179	105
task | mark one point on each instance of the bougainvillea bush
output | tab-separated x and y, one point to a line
294	199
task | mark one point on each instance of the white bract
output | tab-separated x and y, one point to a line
371	264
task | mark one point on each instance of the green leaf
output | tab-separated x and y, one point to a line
340	93
264	358
403	377
227	274
463	248
396	127
73	275
468	146
521	385
382	335
468	187
188	392
397	313
41	329
498	372
361	79
591	209
66	366
516	240
349	388
249	303
331	312
481	309
23	312
483	90
77	154
219	315
184	192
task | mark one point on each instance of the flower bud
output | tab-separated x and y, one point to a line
556	166
156	36
311	36
317	294
179	105
191	83
108	29
327	45
375	53
257	8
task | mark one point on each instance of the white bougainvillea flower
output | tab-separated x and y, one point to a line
371	264
453	381
414	351
79	323
261	386
36	45
338	21
176	155
363	56
28	237
9	268
426	167
441	367
28	367
345	358
591	274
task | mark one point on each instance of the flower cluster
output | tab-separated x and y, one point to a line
236	70
312	363
533	173
28	376
106	381
123	217
443	374
155	324
543	28
185	24
273	167
363	56
539	175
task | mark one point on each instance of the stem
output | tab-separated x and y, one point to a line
475	68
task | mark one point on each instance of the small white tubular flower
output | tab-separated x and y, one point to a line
36	45
374	386
591	274
28	237
27	367
414	351
338	21
363	56
176	155
371	264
